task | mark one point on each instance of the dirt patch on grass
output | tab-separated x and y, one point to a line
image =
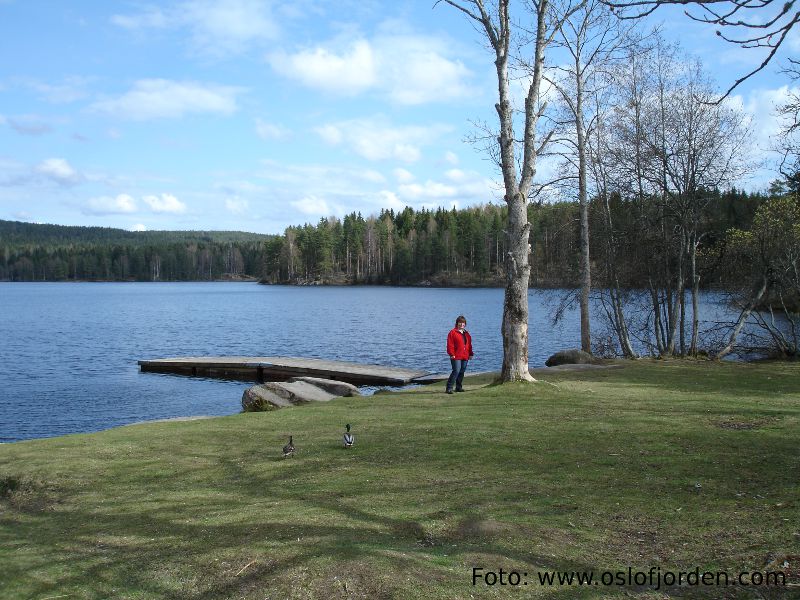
740	424
26	494
474	529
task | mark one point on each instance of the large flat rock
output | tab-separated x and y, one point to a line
282	394
337	388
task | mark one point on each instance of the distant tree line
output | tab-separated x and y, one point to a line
34	252
467	246
408	247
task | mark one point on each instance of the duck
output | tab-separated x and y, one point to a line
349	438
288	449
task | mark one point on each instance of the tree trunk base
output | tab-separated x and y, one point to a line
517	376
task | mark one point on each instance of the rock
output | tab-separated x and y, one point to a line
574	356
337	388
261	397
280	394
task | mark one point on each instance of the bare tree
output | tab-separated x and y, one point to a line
708	154
763	24
591	36
671	148
611	295
529	44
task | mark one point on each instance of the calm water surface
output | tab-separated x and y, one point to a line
68	351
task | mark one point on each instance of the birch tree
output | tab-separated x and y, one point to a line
591	36
669	146
529	43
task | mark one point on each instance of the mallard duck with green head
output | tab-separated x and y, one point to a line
288	449
349	439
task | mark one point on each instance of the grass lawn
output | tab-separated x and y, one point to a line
675	465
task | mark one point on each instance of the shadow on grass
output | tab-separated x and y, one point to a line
172	552
232	529
122	544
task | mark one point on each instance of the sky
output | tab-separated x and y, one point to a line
254	115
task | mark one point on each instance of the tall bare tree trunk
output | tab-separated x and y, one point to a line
586	274
658	328
515	305
695	296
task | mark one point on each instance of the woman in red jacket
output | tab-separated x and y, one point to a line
459	348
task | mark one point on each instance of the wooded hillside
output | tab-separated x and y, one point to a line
467	247
409	247
33	252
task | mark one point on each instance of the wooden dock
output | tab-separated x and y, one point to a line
279	368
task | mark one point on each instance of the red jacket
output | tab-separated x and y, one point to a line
456	348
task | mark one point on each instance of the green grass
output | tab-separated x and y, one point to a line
674	465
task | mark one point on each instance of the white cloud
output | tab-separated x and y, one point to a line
403	176
59	170
331	134
428	190
271	131
324	190
292	174
162	98
451	157
455	175
217	27
139	227
372	176
228	26
237	206
348	74
462	188
388	199
761	106
409	69
166	203
375	139
418	72
108	205
312	205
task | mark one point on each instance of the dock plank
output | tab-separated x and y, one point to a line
280	368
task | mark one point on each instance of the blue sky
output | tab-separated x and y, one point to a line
254	115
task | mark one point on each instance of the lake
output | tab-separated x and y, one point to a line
69	351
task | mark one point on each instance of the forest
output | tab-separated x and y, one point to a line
467	247
408	247
37	252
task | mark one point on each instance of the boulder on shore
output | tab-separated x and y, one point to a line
337	388
280	394
574	356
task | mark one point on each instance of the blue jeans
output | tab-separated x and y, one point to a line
457	375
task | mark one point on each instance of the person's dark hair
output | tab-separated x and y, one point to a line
461	318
